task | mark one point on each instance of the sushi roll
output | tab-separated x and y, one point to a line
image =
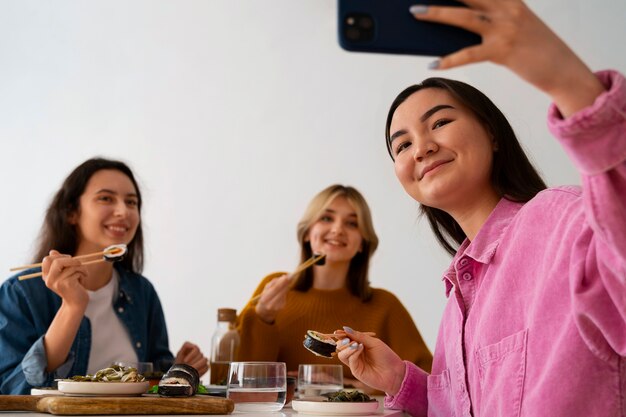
114	253
180	380
319	345
321	260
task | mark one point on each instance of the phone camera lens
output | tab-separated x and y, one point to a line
366	23
359	27
353	34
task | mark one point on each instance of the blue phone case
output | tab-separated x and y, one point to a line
386	26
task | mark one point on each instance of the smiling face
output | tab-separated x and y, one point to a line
336	232
108	212
443	154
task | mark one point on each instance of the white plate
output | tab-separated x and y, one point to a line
327	408
103	388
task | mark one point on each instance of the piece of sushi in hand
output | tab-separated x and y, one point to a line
319	345
180	380
114	253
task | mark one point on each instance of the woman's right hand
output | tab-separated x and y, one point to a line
64	276
273	298
515	37
371	361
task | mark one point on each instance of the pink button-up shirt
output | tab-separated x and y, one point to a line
535	323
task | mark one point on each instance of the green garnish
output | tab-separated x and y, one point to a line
201	389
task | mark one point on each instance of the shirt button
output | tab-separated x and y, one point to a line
138	344
463	262
467	276
120	310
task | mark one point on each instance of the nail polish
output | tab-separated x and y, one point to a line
418	9
435	64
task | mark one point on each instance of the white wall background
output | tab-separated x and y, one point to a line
233	114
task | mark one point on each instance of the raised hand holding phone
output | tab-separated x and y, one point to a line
513	36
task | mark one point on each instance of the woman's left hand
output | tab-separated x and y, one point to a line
513	36
191	354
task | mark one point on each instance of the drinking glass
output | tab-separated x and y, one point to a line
315	380
257	386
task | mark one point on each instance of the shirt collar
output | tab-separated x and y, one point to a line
484	246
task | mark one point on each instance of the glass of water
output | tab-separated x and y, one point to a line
315	380
257	386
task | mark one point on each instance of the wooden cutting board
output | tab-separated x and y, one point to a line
66	405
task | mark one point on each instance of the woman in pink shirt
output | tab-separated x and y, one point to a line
535	323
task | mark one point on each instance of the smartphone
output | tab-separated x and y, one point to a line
386	26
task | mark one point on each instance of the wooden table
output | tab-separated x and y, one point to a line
80	406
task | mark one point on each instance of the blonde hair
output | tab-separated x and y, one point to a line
357	280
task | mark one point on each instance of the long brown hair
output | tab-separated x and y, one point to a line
57	232
512	174
358	281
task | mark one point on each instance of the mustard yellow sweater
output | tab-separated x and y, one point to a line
326	311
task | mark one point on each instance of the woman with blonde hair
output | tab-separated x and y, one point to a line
338	224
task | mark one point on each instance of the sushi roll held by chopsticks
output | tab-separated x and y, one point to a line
319	344
113	253
324	344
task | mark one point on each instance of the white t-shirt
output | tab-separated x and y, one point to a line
110	341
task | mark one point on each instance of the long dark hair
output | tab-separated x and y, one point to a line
512	174
357	280
57	232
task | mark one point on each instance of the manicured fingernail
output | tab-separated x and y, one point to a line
348	329
354	345
435	64
360	345
418	9
344	342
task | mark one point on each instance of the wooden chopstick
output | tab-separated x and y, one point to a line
309	262
88	255
110	250
304	265
38	274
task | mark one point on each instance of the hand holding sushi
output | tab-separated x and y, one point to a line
273	298
191	354
371	361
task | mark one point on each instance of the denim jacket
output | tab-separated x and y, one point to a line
27	309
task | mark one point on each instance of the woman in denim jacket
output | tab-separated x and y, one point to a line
77	318
535	322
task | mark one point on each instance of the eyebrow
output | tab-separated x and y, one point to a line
423	118
334	212
107	191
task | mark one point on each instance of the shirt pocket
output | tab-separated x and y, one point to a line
502	371
440	395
